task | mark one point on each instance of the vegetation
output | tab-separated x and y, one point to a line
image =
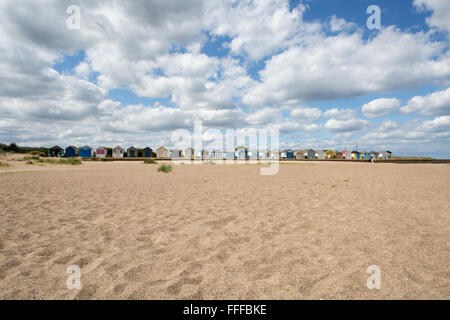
150	161
13	147
165	168
68	161
29	162
4	164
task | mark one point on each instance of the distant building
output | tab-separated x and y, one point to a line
132	152
347	155
320	154
162	152
147	152
310	154
356	155
287	154
330	154
101	152
188	153
118	152
175	154
299	154
71	152
384	155
218	155
86	152
264	154
56	151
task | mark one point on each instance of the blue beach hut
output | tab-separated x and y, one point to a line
86	152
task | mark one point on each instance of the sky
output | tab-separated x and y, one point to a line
135	71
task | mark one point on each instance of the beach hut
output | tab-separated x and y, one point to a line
175	154
330	154
132	152
147	152
205	154
320	154
347	155
264	154
299	154
188	153
339	155
287	154
384	155
218	155
71	152
162	152
118	152
365	155
275	154
356	155
241	153
56	151
310	154
373	155
86	152
101	152
229	155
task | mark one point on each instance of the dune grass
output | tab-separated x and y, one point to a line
150	161
68	161
165	168
4	164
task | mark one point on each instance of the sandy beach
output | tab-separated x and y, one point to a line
225	232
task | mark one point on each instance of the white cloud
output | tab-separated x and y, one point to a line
345	125
346	65
437	103
340	114
440	17
380	107
310	114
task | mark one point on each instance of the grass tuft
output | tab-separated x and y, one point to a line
150	161
165	168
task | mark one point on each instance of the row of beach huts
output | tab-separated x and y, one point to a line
241	153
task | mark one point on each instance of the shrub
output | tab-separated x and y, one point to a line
165	168
150	161
29	162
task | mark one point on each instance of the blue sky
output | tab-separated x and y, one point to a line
134	72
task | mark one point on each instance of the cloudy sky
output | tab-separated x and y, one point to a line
137	70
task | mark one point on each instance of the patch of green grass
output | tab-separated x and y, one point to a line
346	180
333	186
150	161
165	168
29	162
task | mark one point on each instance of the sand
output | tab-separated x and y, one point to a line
225	232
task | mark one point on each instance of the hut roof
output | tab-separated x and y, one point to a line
147	148
132	148
56	148
162	147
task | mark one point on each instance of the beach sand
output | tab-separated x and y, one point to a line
225	232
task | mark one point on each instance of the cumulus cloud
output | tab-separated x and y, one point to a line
345	125
380	107
346	65
440	17
437	103
340	114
